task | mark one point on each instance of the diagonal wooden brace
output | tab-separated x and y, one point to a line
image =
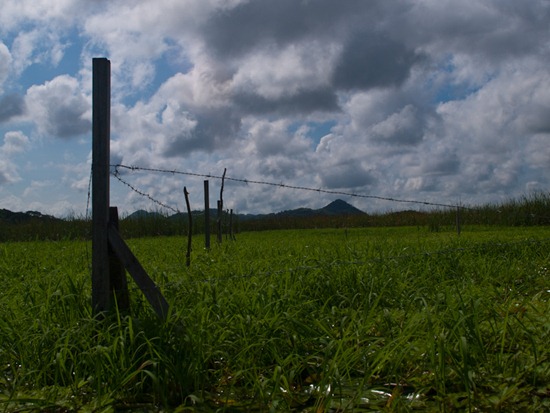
142	279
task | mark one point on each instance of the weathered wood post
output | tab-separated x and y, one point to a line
206	215
101	131
105	235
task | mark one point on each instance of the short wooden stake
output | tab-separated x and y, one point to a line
231	232
206	216
458	221
190	233
219	220
220	208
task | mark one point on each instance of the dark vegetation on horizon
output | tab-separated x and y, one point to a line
530	210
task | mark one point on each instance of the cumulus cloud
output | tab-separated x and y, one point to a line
428	99
58	108
370	60
5	63
403	127
14	142
11	106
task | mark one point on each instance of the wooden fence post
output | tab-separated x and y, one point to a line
101	125
206	216
105	235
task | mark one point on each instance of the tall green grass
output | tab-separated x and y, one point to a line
392	319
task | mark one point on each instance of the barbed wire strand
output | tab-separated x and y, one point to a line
144	194
281	185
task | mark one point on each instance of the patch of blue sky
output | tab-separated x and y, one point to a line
451	91
167	66
41	72
445	88
316	130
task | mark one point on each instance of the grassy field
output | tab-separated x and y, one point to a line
363	320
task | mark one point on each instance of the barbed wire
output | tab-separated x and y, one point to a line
281	185
116	174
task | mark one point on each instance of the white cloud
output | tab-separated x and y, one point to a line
426	100
17	12
403	127
5	64
58	108
14	142
272	73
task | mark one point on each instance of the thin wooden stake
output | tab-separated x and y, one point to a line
221	188
190	233
220	208
219	221
231	232
458	221
206	216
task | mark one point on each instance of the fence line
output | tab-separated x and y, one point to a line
117	174
281	185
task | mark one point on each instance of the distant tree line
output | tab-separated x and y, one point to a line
526	211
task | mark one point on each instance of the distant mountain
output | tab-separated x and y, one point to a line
340	207
142	214
335	208
9	217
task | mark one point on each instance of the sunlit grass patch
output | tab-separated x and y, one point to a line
359	319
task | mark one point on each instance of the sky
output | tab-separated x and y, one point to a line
437	101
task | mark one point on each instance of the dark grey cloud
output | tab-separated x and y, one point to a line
494	30
441	164
372	55
371	60
349	174
538	118
404	127
67	122
232	33
214	130
299	103
11	106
